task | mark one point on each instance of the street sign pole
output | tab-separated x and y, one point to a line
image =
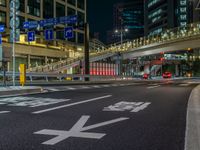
86	44
13	45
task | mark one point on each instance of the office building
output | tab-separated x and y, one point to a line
164	14
43	52
129	15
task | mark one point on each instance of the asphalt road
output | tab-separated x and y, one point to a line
130	116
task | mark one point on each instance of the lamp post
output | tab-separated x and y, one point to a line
122	32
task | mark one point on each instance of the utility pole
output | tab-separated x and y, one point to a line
87	59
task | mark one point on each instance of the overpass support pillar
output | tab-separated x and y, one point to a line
29	61
119	64
46	60
177	72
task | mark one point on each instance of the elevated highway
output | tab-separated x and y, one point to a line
176	39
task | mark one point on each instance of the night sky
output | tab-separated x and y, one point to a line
100	16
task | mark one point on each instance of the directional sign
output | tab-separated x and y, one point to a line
2	28
0	39
78	131
31	36
48	35
68	33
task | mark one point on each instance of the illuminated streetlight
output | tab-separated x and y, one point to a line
122	31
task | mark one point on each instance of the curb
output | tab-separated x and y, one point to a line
192	133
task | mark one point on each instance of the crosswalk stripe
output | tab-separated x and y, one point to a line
184	84
71	88
152	87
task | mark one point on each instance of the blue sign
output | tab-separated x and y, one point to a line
0	39
48	34
30	24
31	36
68	33
2	28
50	22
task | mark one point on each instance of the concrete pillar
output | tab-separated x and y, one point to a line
46	60
28	61
177	70
147	69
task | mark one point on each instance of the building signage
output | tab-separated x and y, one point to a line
50	22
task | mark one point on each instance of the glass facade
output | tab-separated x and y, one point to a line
81	18
33	8
22	5
129	15
81	4
48	9
71	11
72	2
60	10
2	18
163	14
3	3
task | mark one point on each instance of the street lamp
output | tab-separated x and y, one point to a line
122	32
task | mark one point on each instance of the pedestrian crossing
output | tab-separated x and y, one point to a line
85	87
70	88
22	101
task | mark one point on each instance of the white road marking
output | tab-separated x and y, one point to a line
141	107
71	88
30	101
72	104
105	85
184	85
4	112
53	89
85	87
127	106
155	84
152	87
96	86
77	131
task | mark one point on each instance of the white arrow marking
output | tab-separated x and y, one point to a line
77	131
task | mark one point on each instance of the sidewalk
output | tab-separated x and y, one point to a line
192	137
18	90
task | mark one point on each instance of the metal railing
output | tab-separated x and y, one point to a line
49	77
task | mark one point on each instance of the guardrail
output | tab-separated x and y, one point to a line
48	77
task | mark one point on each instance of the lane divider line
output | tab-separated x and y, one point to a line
152	87
72	104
